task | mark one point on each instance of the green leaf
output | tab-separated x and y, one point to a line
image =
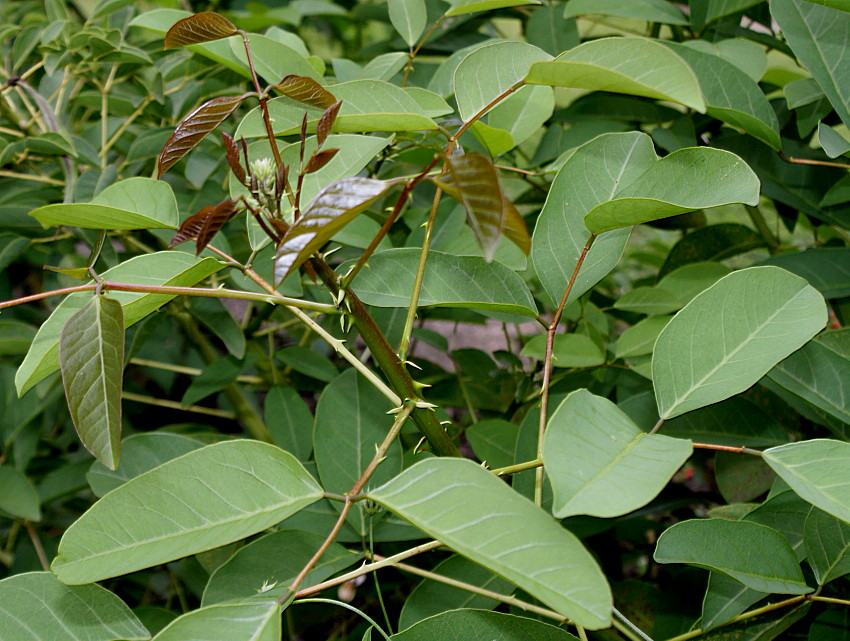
568	350
827	542
204	499
460	7
746	323
450	281
818	36
831	625
477	625
732	96
477	515
409	18
639	339
733	422
686	180
35	606
91	357
134	203
592	175
551	30
833	143
817	470
600	463
213	378
712	243
649	10
18	497
367	105
649	301
161	268
289	421
493	441
255	621
826	268
725	598
523	112
431	597
741	478
688	281
819	374
717	9
756	555
502	64
213	315
843	5
273	562
140	453
15	337
635	66
334	206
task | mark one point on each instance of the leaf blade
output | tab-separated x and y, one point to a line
200	27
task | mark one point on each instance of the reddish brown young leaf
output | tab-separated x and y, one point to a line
326	122
515	228
305	90
472	179
232	151
319	160
194	128
201	27
204	225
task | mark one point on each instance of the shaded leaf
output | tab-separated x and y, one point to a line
568	350
817	470
461	7
756	555
306	90
477	625
334	207
730	335
18	496
35	606
91	357
649	10
827	542
459	503
194	128
201	27
639	339
201	227
725	598
257	621
711	243
204	499
826	268
600	463
289	421
649	301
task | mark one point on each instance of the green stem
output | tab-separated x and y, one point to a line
519	467
348	607
413	53
420	277
743	617
758	220
507	92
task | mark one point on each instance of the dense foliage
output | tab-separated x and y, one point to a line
512	319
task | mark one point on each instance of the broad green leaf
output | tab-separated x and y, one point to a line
450	281
817	470
200	27
15	337
409	18
686	180
717	9
134	203
91	357
204	499
818	36
819	374
748	55
689	280
493	441
351	422
711	243
268	566
551	30
161	268
334	206
212	379
831	625
600	463
254	621
833	143
489	71
442	82
460	7
431	103
522	113
213	315
732	96
140	453
827	542
650	10
273	60
431	597
802	92
289	421
592	175
635	66
733	422
477	625
648	300
18	497
568	350
756	555
639	339
474	513
843	5
35	606
741	478
730	335
725	598
826	268
367	105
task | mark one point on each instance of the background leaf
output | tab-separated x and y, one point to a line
470	625
827	542
18	496
409	18
256	621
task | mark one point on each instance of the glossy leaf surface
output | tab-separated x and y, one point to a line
306	90
477	515
730	335
201	227
201	27
201	500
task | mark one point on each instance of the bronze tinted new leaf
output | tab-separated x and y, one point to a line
201	27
